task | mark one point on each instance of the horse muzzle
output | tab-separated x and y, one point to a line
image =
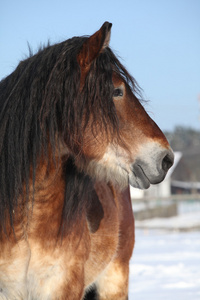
151	167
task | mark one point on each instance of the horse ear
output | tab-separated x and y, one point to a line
94	45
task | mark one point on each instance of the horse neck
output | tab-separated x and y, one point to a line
46	201
48	177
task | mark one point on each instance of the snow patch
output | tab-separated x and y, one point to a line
165	265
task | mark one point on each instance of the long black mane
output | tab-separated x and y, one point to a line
42	100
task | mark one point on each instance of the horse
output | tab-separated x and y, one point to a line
74	135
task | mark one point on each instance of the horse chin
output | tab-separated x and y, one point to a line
138	179
137	182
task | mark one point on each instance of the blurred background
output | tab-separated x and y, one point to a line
159	43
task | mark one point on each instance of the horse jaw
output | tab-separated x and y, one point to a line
109	169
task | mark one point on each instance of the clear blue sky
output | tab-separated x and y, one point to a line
158	41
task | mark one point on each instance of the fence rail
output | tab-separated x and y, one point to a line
177	197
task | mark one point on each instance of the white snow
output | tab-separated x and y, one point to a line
165	265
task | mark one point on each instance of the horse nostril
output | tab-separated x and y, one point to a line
167	163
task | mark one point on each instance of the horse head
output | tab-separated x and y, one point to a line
136	150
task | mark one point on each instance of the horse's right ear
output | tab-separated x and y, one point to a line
94	45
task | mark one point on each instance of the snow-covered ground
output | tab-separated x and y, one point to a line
165	265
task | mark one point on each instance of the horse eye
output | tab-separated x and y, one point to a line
118	92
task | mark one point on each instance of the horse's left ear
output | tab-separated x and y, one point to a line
94	45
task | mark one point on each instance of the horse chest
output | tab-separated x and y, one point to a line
103	222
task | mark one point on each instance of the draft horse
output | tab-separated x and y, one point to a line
74	135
